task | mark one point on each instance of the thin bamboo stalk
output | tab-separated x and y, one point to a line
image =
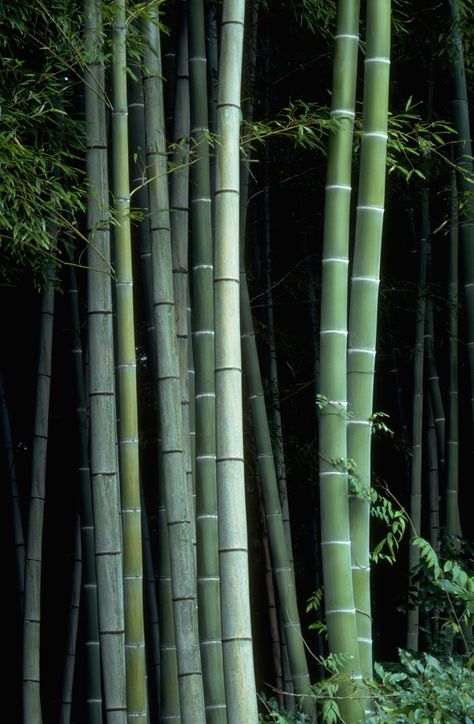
364	307
183	581
203	348
453	522
17	523
71	643
32	713
103	448
417	417
127	383
233	544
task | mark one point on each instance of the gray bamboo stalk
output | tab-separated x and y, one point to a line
71	643
432	459
453	523
433	379
364	307
203	348
179	220
17	523
334	505
32	713
417	420
178	515
103	449
233	544
127	383
93	685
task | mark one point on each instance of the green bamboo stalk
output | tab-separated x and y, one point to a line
364	306
93	687
417	417
203	348
432	459
103	449
127	383
17	523
334	506
463	153
183	581
233	545
71	642
32	713
151	609
453	523
433	379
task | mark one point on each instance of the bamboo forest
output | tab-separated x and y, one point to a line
237	369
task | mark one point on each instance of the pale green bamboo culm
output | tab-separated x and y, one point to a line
178	514
103	448
127	383
334	505
364	306
233	544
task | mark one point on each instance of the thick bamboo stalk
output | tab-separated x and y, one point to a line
103	450
334	505
32	713
127	383
364	306
203	347
233	544
178	515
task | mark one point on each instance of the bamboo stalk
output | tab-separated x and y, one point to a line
178	516
233	544
71	642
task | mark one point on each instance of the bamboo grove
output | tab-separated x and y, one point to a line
237	374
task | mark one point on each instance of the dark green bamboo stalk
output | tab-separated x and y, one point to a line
364	306
334	510
465	166
433	478
103	449
32	713
17	523
127	383
417	417
71	642
203	348
233	545
178	515
453	523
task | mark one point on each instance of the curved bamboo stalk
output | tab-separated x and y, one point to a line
334	507
233	545
203	348
103	448
364	306
183	582
32	713
127	383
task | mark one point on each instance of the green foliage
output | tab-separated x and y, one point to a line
444	589
423	689
278	715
